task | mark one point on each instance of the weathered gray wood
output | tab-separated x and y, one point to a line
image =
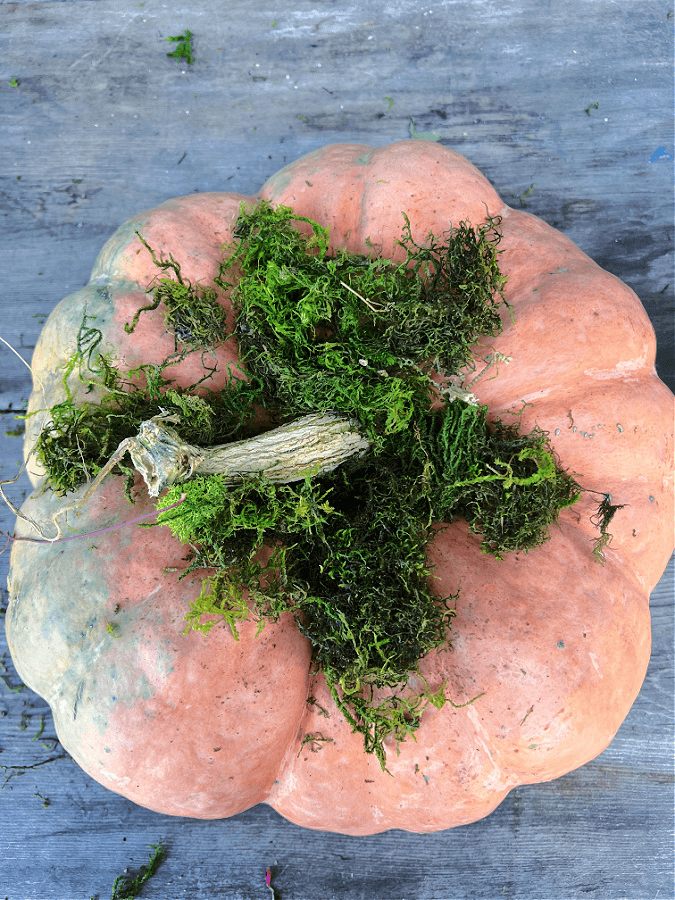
102	125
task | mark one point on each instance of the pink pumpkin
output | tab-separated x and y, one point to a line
555	644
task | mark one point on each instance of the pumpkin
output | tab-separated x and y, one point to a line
551	646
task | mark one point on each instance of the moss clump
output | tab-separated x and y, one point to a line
79	439
601	519
193	314
357	334
345	553
509	487
350	557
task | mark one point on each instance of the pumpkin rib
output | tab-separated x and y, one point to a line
545	289
118	709
199	224
630	463
362	193
574	705
120	278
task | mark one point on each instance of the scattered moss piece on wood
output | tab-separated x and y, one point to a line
184	48
126	887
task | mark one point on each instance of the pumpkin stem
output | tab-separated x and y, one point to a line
312	445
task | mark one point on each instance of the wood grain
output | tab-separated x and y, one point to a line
567	108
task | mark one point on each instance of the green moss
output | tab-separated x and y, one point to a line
184	48
193	314
353	333
345	552
509	487
127	887
79	440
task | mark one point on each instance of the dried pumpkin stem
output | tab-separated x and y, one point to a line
312	445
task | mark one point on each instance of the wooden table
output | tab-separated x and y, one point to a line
567	107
